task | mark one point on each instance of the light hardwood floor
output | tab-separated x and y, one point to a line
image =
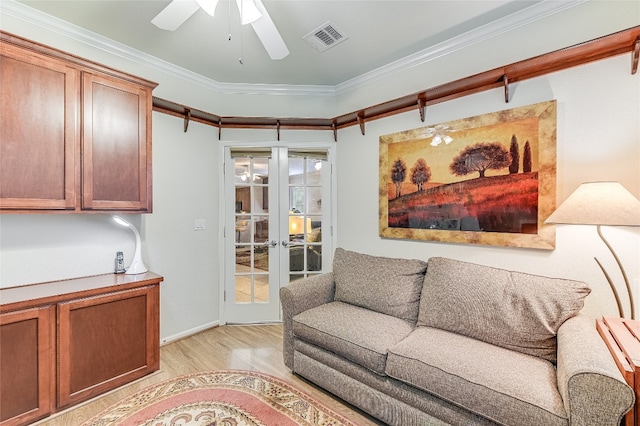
251	347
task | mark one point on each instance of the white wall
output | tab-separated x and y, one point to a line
598	139
39	247
185	167
597	102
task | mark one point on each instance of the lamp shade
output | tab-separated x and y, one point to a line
598	203
297	223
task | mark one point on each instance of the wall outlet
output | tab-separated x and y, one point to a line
200	225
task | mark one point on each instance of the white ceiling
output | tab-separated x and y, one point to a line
380	33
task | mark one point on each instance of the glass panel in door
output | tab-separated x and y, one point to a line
305	188
250	295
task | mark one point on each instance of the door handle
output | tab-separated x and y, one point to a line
285	243
271	243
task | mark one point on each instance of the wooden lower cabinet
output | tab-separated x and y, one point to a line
105	342
60	350
27	365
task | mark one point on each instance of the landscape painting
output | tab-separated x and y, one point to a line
488	179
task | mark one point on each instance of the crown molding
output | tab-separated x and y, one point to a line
276	89
524	17
516	20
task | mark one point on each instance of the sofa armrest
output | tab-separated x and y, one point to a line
592	388
301	296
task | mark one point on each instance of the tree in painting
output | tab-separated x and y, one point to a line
514	150
420	173
526	158
480	158
398	175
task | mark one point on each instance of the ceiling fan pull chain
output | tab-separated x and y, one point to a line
241	50
241	4
229	20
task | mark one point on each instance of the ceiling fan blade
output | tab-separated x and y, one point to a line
174	15
269	35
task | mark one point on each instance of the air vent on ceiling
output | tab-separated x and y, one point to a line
325	37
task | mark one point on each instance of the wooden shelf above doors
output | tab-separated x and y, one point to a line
191	114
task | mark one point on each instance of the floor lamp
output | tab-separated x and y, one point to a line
602	203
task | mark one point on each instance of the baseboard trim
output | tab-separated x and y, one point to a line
187	333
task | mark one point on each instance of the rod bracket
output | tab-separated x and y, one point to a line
422	105
505	80
187	118
361	121
635	55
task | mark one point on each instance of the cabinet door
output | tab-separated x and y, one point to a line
27	365
106	341
116	145
39	131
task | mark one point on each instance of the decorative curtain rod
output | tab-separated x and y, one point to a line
612	45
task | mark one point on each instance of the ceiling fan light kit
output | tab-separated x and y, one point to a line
251	12
208	6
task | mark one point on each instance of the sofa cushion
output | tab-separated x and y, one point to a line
386	285
360	335
499	384
514	310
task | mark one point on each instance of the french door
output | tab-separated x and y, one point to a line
277	226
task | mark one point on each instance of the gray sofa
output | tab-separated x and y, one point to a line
450	342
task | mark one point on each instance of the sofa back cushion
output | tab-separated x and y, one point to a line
517	311
382	284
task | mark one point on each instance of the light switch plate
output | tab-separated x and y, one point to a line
200	225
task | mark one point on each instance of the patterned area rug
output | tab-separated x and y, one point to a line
219	398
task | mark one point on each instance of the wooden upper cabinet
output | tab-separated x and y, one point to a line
74	135
116	145
39	131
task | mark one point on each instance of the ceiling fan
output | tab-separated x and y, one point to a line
439	133
251	12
